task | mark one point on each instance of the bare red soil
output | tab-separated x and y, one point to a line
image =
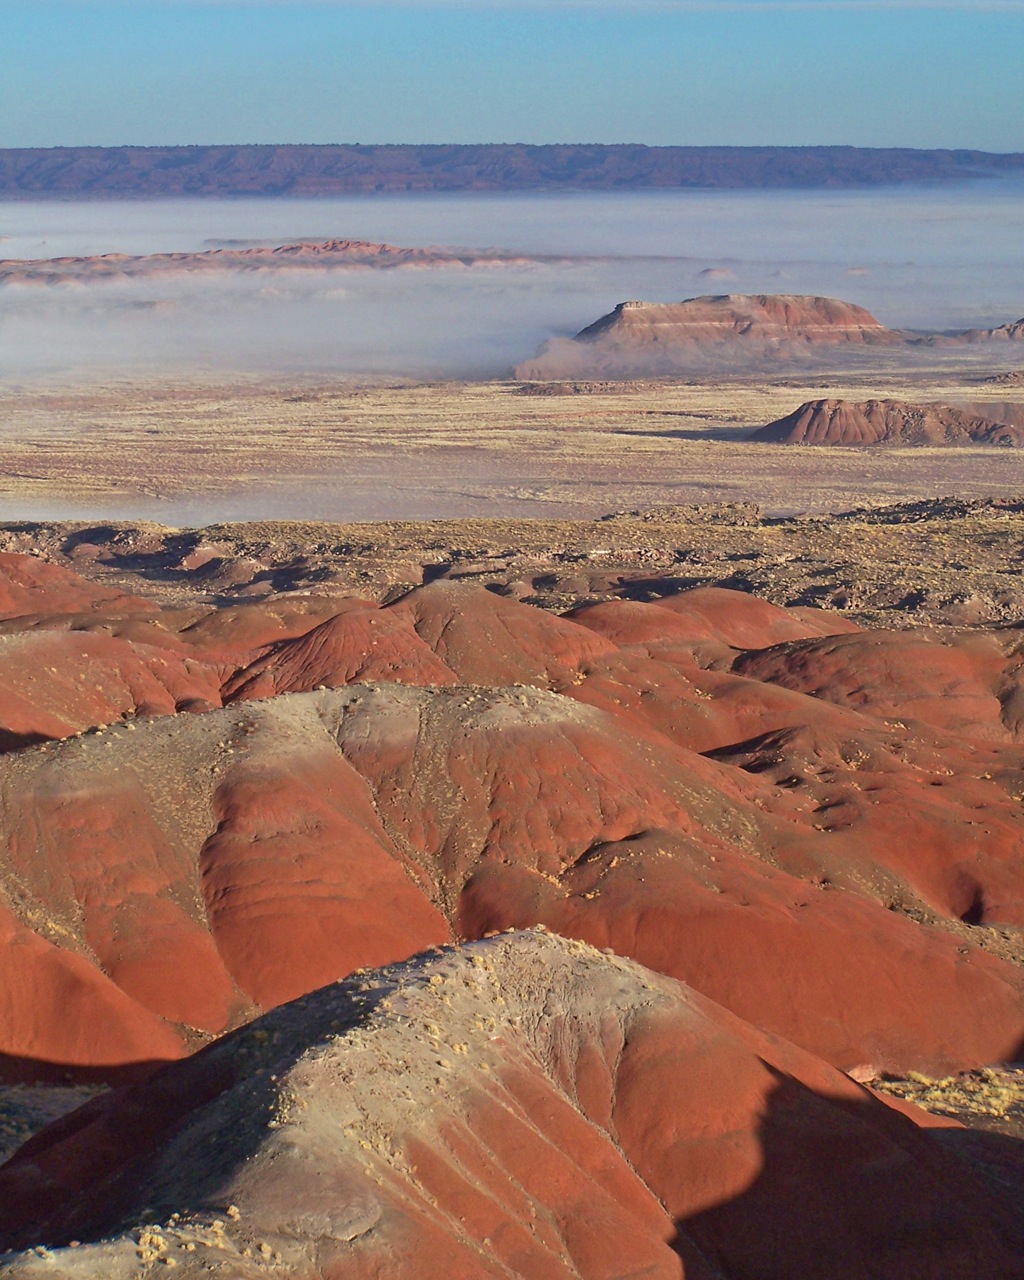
798	843
729	791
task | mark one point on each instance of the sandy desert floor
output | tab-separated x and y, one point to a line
190	454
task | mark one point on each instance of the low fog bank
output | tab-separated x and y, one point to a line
929	259
433	323
927	225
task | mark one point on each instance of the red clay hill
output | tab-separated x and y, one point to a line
207	812
639	339
893	422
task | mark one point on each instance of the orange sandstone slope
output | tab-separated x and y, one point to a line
520	1107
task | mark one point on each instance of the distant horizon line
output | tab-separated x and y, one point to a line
646	146
402	168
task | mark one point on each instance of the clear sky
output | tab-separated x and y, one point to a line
741	72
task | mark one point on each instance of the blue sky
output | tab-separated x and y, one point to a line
741	72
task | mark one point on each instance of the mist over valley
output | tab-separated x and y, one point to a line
922	258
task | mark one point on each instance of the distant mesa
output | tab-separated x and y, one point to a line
722	331
716	273
197	172
652	338
888	422
301	255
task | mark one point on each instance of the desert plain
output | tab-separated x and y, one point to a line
187	452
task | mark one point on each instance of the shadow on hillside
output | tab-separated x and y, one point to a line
849	1191
15	1070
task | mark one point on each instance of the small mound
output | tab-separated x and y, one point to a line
886	422
30	587
359	644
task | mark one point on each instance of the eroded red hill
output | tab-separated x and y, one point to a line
520	1107
688	781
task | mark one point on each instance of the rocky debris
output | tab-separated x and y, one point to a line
523	1106
617	388
887	422
890	567
990	1098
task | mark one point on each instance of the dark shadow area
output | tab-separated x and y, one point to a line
856	1190
15	1069
848	1188
435	572
121	552
735	435
975	912
11	741
998	1157
647	589
94	534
